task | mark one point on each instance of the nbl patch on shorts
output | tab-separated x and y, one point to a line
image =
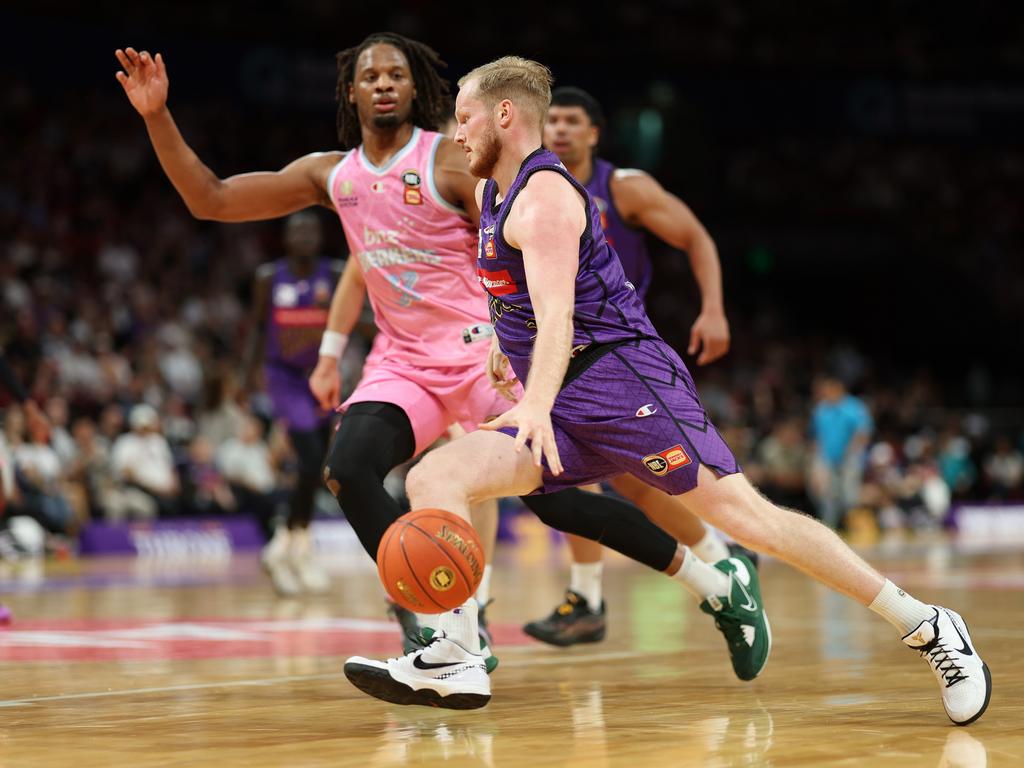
666	461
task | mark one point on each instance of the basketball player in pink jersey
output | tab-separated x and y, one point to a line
407	203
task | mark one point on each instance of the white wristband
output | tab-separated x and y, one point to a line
333	344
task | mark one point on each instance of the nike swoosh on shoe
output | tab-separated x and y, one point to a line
966	650
419	663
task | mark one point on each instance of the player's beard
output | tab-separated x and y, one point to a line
386	122
485	154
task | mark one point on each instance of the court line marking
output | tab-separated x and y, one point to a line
267	681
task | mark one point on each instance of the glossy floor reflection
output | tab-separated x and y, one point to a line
120	662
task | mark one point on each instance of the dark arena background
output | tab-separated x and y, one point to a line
860	169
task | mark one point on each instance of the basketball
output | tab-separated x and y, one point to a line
430	561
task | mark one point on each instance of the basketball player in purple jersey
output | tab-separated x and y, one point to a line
407	204
574	330
291	297
631	205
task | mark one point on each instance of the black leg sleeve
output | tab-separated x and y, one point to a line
373	439
612	522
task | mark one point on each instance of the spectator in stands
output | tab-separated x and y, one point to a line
1004	470
37	470
782	461
249	466
144	467
841	425
206	492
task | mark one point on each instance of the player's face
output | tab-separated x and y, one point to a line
302	236
569	133
382	88
475	132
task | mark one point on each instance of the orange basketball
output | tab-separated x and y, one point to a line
430	561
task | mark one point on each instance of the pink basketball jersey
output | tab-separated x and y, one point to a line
417	253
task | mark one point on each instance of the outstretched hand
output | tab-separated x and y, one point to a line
534	423
144	79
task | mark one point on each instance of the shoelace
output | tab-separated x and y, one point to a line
952	673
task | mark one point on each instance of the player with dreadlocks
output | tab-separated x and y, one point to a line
406	200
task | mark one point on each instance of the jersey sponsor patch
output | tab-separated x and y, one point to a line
666	461
411	182
346	199
497	283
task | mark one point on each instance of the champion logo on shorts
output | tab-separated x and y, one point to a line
646	410
666	461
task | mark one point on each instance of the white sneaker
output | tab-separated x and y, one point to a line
443	674
304	565
963	677
275	562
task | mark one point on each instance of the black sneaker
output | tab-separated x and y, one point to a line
738	549
570	623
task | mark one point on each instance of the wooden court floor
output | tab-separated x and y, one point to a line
135	663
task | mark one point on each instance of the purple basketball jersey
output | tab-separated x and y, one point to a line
629	242
607	309
298	313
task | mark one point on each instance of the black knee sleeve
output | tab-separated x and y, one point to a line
372	439
612	522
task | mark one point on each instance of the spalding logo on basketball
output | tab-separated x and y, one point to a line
430	561
442	579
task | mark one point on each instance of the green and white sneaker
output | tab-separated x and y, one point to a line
417	637
741	617
490	660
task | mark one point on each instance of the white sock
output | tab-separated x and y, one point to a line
700	578
711	548
585	578
900	609
483	592
460	625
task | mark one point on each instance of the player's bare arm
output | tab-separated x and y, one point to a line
346	306
546	223
643	202
244	197
454	181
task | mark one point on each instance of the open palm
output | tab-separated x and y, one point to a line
144	80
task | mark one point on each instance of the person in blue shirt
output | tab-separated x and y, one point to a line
841	425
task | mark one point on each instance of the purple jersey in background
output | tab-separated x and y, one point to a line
296	319
607	310
298	313
629	242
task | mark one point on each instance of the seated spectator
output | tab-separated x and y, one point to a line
37	470
782	458
144	468
90	469
206	491
1004	470
249	466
